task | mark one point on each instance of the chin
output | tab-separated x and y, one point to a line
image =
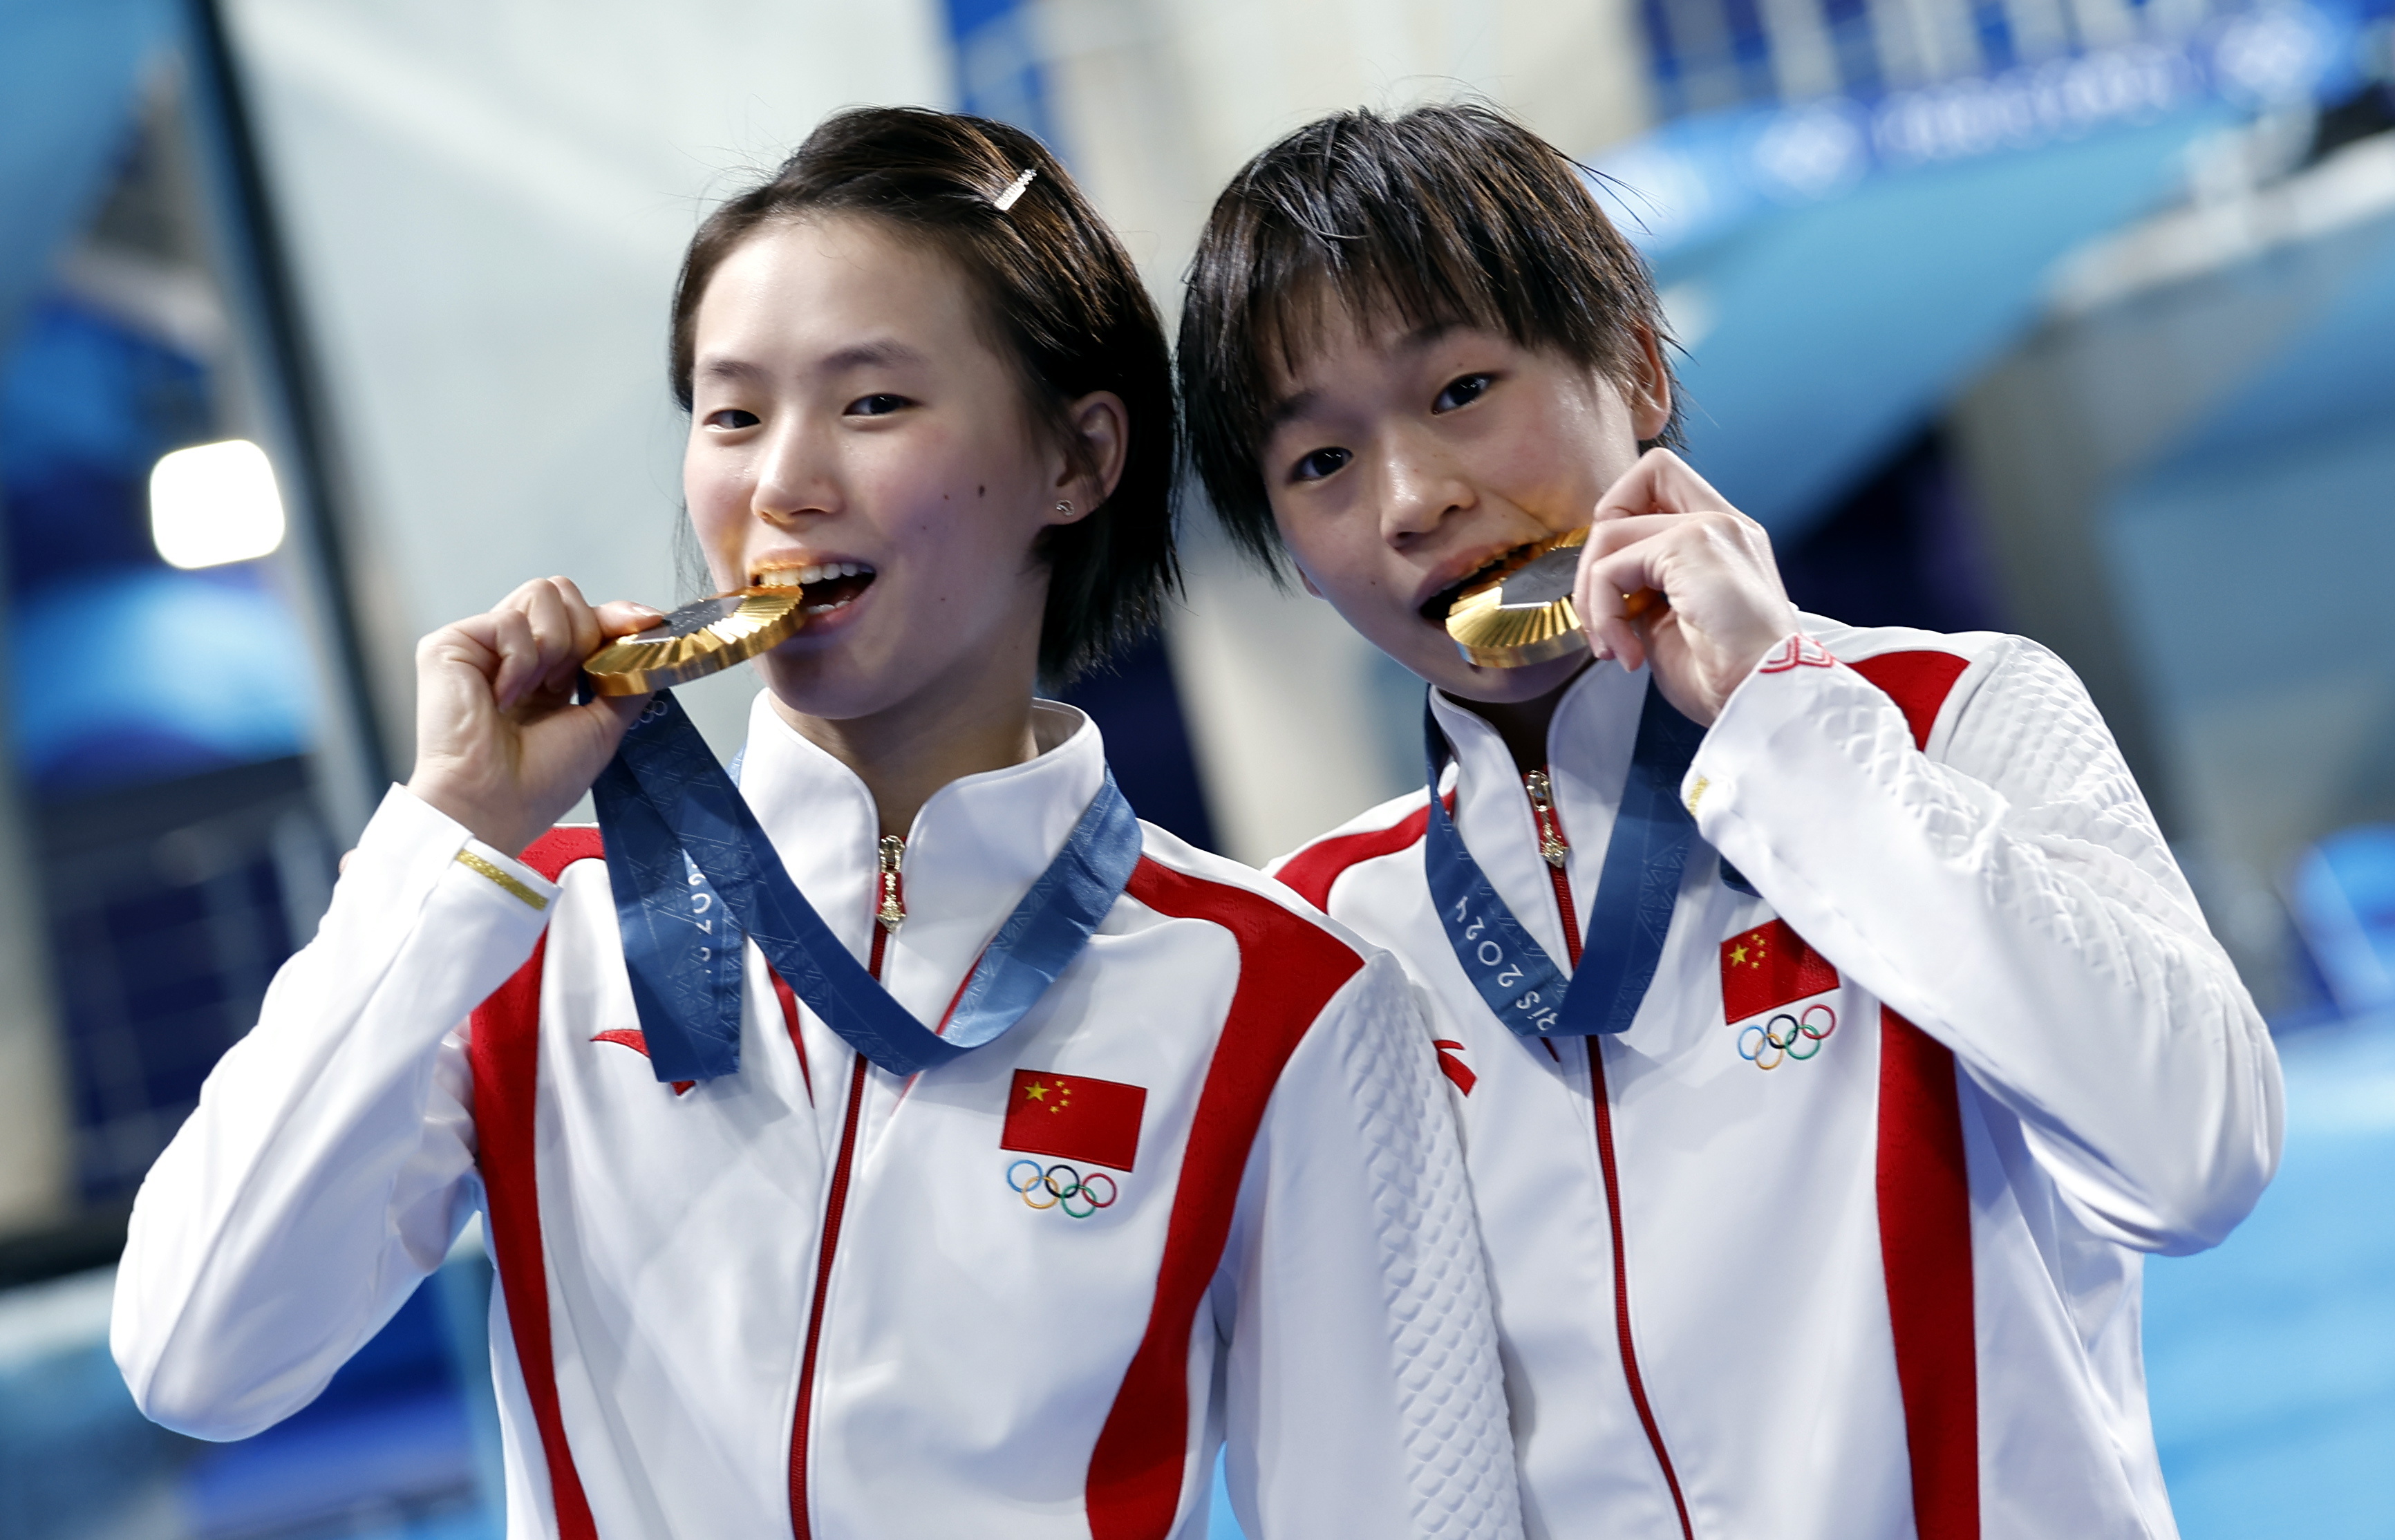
1503	686
825	684
1439	664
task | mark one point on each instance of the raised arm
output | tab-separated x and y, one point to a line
2014	900
1365	1395
2017	902
330	1161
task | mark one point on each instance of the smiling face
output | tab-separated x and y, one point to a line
853	428
1403	461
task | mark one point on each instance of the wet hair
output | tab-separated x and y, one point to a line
1061	297
1444	215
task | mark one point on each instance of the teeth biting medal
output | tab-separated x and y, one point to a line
1521	612
712	634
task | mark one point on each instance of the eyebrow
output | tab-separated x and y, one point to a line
727	368
884	352
1287	407
1301	402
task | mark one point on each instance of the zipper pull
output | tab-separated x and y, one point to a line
1543	809
892	912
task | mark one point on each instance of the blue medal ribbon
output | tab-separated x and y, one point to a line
692	871
1635	892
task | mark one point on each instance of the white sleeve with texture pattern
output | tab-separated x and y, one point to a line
2015	900
1364	1390
330	1163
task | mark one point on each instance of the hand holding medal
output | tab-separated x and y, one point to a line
709	636
501	744
1522	612
1662	527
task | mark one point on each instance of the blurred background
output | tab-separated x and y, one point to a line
322	324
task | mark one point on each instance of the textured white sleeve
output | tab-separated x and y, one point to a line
330	1163
1364	1394
2016	900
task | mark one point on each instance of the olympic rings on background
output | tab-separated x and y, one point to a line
1768	1045
1060	1184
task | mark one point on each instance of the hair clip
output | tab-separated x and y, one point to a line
1006	200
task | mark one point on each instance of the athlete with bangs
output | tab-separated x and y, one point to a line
1019	1158
1831	1030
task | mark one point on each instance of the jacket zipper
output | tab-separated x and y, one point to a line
889	912
892	910
1555	849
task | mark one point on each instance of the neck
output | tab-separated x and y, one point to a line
1522	723
906	754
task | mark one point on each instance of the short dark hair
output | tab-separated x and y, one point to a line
1059	294
1444	215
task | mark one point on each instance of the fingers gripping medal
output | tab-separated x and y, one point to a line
698	640
1522	612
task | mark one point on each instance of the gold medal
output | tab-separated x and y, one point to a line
1523	613
698	640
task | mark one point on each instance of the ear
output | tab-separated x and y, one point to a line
1307	579
1100	426
1650	398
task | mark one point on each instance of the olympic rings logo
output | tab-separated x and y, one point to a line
1058	1186
1768	1046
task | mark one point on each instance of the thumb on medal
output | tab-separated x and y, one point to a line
501	746
544	630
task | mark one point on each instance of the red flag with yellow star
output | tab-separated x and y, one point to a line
1768	966
1074	1118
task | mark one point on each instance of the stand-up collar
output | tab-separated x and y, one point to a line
1589	741
974	849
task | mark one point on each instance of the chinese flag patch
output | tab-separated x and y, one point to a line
1074	1118
1766	968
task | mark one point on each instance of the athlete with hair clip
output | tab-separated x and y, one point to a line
1021	1157
1831	1030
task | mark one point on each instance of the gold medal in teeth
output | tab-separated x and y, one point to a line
1523	613
785	575
698	640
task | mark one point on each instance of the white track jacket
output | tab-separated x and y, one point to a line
1841	1240
1208	1185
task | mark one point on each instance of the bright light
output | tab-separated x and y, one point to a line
215	503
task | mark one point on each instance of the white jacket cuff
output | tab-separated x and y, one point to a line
1785	687
411	847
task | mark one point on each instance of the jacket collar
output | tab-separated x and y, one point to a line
1589	741
974	849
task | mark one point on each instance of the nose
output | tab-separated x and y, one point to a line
1422	490
792	481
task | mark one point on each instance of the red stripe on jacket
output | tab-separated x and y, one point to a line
1311	870
1924	1205
1289	970
504	1053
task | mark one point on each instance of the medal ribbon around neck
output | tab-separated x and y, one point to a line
1635	892
692	871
